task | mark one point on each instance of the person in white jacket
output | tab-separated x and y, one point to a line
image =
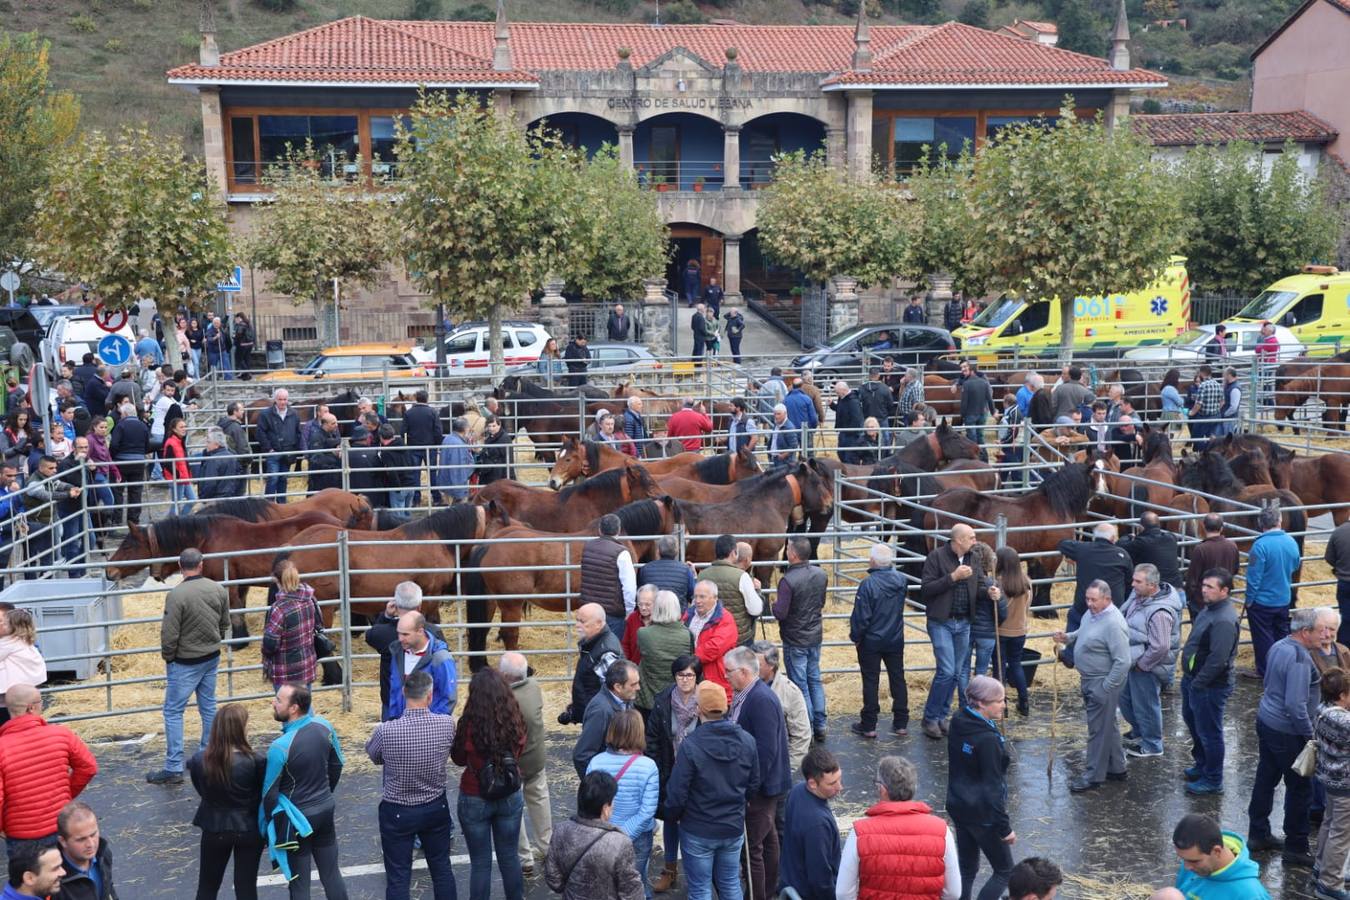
20	661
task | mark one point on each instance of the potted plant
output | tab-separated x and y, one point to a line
698	184
659	182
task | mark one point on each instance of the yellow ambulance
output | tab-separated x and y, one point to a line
1015	326
1314	305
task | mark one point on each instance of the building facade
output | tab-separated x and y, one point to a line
1303	67
699	111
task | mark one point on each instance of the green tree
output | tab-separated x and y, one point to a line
814	218
1248	228
318	228
36	122
683	12
1071	211
976	13
133	217
620	238
940	187
487	211
1080	30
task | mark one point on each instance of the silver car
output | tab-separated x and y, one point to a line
1194	347
606	360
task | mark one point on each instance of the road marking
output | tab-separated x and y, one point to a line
356	871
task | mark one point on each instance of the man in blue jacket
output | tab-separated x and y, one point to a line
1271	564
455	465
755	708
421	653
877	630
715	773
800	408
811	845
1214	863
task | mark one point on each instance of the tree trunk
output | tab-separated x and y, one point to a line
170	319
1066	331
495	343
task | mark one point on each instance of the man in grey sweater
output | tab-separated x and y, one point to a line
1207	680
1102	656
1284	723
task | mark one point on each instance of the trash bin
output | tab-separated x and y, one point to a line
62	603
276	354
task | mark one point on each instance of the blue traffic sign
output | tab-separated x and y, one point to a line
114	349
234	284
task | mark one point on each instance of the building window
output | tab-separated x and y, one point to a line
355	144
384	144
995	124
913	135
334	139
244	164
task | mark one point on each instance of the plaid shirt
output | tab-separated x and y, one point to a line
911	396
1210	397
414	750
288	638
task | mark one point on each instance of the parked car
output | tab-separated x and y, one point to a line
606	360
1193	347
355	362
909	345
30	323
467	346
71	337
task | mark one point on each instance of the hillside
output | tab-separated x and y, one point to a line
113	53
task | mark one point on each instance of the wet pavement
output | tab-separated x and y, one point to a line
1117	838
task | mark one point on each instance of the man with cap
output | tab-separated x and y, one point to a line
715	774
607	575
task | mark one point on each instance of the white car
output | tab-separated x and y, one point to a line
71	337
1193	347
466	348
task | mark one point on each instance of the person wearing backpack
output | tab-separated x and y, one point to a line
589	858
489	740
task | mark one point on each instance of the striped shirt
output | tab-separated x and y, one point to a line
414	750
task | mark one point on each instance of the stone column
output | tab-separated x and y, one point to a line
939	293
859	133
626	145
553	313
731	157
501	102
1117	109
843	303
213	139
835	147
731	270
655	317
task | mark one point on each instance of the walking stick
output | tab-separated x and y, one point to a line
749	875
1054	715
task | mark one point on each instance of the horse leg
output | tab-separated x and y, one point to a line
509	630
238	627
1040	597
480	614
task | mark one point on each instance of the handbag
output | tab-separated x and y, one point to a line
1305	763
499	778
323	644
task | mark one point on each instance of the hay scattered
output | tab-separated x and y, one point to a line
1106	886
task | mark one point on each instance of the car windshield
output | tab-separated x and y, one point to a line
1267	305
314	365
998	312
45	314
848	336
1193	336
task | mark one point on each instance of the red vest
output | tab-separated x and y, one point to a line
901	848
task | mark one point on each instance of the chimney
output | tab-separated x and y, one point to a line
862	41
208	54
1120	41
501	51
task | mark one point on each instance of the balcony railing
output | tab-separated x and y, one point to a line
756	173
249	174
681	174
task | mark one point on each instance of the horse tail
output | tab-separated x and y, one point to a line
478	608
1138	499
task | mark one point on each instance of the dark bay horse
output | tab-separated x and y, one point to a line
375	570
1316	480
1300	380
1052	506
1279	458
211	534
572	507
547	416
582	459
351	509
547	571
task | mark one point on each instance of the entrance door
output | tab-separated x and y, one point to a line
694	242
686	248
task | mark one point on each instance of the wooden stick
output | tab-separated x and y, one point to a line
1054	715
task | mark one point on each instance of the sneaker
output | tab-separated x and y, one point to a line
818	736
1203	787
1192	774
900	729
1117	776
862	730
1301	858
1080	785
932	729
164	776
1141	753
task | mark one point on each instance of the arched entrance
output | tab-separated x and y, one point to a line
581	130
679	151
766	136
693	242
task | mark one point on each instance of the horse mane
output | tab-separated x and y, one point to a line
1158	448
642	517
177	533
1042	408
714	469
250	509
1274	452
454	523
916	453
608	480
592	449
1068	490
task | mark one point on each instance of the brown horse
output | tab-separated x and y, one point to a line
211	534
1159	467
583	459
1052	507
1298	382
1317	480
547	416
653	404
547	571
1280	459
572	507
351	509
374	570
974	474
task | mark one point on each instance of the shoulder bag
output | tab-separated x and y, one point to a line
567	876
499	778
1305	763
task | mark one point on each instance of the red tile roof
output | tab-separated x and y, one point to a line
1220	128
359	50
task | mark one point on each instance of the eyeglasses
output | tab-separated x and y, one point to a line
684	674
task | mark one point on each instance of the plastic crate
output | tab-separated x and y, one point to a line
63	602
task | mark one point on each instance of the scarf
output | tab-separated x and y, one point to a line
683	715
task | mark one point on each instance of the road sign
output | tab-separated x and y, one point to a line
112	320
234	284
114	349
10	282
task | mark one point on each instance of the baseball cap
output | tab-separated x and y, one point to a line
712	698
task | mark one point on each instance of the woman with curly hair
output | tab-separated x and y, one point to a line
489	741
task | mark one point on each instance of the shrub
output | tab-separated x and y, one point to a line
474	12
278	5
83	23
114	45
425	9
684	12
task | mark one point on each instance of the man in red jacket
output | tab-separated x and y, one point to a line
42	768
689	425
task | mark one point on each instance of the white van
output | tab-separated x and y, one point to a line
71	337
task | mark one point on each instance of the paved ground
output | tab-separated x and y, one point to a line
761	339
1116	835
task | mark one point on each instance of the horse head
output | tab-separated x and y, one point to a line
362	517
670	513
745	461
570	465
641	484
814	479
133	553
951	444
493	518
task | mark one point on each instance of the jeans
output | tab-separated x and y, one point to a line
971	840
276	466
670	836
1141	705
183	496
401	499
869	663
220	360
1268	624
217	847
72	541
803	670
1014	673
1278	750
974	428
1202	711
951	644
490	825
185	679
616	624
1333	841
12	844
708	860
984	653
399	825
320	849
642	855
195	362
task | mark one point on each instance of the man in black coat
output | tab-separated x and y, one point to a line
713	295
599	648
848	421
977	401
400	468
421	430
279	439
382	636
618	324
877	400
576	356
325	461
86	370
877	629
1154	545
698	324
218	475
1097	558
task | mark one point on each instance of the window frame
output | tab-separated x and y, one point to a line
981	117
363	138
